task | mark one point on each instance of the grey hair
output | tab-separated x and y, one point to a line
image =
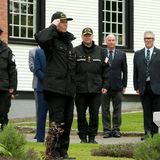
111	35
149	32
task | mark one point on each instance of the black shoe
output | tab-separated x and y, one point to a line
69	158
117	134
83	141
107	135
92	141
142	138
66	157
145	137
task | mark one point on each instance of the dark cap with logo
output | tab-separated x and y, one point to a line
87	31
61	16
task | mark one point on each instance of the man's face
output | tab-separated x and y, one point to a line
62	26
111	42
149	40
87	39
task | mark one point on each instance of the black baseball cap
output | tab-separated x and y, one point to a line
87	31
61	16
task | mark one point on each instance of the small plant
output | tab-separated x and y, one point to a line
115	150
4	151
13	140
149	149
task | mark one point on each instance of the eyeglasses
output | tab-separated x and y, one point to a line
148	38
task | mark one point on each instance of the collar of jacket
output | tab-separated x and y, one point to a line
91	47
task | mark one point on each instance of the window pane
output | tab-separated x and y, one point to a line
23	8
107	5
30	32
23	32
16	19
16	31
23	20
108	27
120	17
120	39
120	28
113	28
30	8
107	16
120	7
114	8
114	18
16	7
30	20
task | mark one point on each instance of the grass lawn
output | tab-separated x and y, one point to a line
80	151
131	122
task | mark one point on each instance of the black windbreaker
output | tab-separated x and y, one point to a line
60	60
8	72
92	69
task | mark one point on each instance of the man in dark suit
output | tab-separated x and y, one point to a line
147	81
115	90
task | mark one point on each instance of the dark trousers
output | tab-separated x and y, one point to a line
150	103
61	111
5	103
41	116
93	102
116	97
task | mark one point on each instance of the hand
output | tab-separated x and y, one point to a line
104	90
56	22
137	91
11	90
124	90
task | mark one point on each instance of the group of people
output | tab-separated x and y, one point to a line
88	76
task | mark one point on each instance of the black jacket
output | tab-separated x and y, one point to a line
118	71
140	66
91	69
60	61
8	72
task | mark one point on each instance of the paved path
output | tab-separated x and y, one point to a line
25	108
75	139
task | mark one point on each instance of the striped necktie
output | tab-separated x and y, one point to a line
147	60
110	56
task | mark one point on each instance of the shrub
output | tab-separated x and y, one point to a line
13	140
115	150
149	149
4	151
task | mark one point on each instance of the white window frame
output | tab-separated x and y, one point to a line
13	12
120	36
